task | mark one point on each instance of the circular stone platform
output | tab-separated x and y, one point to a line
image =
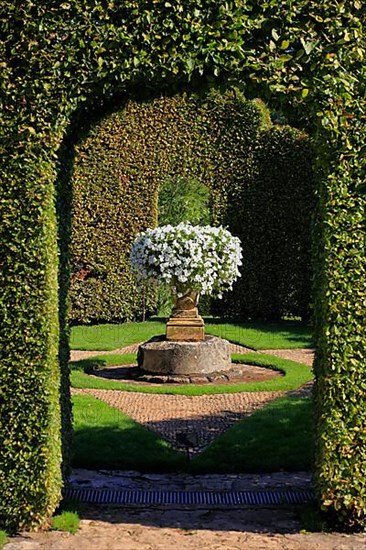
238	373
159	356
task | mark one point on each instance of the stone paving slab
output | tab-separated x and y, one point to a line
138	481
207	415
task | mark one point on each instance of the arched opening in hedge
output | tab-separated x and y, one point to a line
256	177
57	56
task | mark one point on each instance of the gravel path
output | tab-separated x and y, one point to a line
299	355
207	415
153	529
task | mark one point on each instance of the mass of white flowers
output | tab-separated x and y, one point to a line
187	257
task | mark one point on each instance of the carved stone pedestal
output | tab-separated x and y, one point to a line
185	324
189	329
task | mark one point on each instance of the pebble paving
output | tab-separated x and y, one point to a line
206	415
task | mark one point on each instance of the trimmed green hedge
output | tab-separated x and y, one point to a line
260	180
30	442
56	57
117	173
270	209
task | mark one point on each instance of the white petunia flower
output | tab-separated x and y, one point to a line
205	259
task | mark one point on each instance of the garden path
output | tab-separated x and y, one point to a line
104	528
208	416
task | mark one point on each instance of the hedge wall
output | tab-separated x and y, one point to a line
57	56
117	173
270	209
30	442
260	181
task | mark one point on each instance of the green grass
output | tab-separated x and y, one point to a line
277	437
105	437
255	335
3	539
87	365
295	375
66	521
110	337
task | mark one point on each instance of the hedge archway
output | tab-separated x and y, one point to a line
57	56
258	176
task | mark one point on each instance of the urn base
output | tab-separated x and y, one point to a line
185	329
185	358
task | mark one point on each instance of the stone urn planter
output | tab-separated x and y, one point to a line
193	261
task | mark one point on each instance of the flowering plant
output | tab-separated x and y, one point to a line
205	259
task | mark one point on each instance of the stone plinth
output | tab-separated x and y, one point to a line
185	324
185	329
167	357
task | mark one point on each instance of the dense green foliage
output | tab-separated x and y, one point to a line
270	206
57	57
118	170
184	200
192	154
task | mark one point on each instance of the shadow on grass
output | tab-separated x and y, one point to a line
127	448
106	438
278	436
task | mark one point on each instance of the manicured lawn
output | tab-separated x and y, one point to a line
106	438
3	538
110	337
277	437
295	375
286	334
255	335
